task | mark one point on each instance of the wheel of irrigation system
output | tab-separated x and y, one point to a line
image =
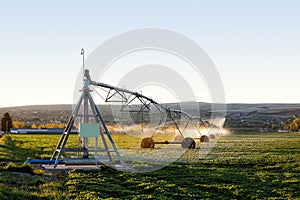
204	138
188	143
212	136
147	142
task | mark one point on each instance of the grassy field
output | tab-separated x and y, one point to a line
248	165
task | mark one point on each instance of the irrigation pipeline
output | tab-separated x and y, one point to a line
141	96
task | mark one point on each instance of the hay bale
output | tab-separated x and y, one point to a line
204	138
212	136
206	124
188	143
147	142
178	138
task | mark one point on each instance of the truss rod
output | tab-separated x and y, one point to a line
146	101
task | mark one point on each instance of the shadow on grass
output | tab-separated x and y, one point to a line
9	152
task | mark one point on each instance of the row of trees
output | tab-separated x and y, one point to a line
7	124
18	124
293	126
49	125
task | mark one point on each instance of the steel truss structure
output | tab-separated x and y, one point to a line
116	94
86	100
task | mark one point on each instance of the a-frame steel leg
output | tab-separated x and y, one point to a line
86	98
106	131
65	135
101	132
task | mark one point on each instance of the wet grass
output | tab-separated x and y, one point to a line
244	165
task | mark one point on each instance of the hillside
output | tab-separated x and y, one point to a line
239	117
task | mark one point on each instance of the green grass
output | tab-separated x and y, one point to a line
242	165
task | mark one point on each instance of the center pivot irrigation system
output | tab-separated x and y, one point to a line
95	143
116	94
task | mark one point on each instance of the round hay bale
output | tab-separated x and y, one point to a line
206	124
147	142
204	138
178	138
212	136
188	143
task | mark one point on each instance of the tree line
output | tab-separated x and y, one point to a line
7	123
292	126
18	124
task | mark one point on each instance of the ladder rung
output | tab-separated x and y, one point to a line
86	161
103	150
75	150
80	115
83	150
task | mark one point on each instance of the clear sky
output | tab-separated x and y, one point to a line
255	44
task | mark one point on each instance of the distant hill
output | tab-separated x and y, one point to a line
60	107
260	117
239	117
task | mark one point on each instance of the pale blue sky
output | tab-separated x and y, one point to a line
255	45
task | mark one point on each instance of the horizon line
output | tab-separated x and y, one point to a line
226	103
